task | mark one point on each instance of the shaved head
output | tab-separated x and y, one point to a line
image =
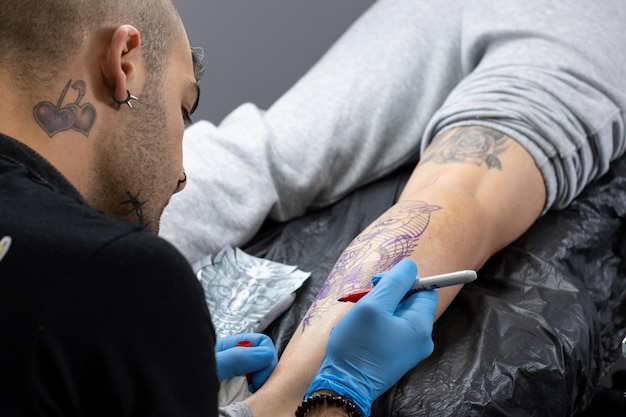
67	69
47	34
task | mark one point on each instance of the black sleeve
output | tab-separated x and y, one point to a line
129	335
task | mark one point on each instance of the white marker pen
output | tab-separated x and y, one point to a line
421	284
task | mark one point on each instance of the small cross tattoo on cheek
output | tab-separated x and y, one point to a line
136	206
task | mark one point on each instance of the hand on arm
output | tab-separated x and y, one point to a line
378	340
474	192
233	360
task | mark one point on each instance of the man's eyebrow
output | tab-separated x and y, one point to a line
197	57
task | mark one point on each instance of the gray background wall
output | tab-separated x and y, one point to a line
256	49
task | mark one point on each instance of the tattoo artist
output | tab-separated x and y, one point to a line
99	316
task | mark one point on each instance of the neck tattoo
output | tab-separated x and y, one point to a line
56	118
136	206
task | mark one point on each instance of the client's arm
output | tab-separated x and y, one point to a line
362	359
474	191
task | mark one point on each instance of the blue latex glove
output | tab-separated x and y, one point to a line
379	339
259	360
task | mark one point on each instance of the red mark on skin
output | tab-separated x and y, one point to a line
436	178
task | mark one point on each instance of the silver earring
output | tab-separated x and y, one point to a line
127	100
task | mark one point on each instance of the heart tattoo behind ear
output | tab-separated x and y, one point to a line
55	119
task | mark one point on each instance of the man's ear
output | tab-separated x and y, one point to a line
123	60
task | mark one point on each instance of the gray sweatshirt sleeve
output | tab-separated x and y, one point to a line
355	116
238	409
552	75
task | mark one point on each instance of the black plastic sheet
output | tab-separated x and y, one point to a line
530	337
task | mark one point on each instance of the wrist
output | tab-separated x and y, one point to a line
326	403
345	386
327	410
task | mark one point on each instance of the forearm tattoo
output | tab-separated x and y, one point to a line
56	118
390	239
473	145
136	206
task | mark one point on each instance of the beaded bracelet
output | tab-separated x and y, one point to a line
332	400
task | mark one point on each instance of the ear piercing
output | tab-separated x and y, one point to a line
126	101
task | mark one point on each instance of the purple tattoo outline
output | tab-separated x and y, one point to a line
391	238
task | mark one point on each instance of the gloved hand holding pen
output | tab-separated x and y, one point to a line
259	360
378	340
